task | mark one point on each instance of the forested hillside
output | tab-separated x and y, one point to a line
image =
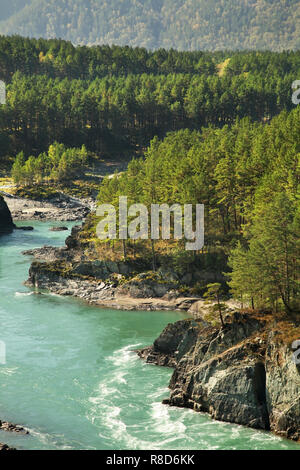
181	24
115	100
214	128
247	176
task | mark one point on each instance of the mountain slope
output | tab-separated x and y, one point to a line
11	7
182	24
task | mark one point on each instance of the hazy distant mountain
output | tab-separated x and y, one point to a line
181	24
8	8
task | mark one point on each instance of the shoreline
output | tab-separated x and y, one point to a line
62	208
46	274
222	372
232	374
10	427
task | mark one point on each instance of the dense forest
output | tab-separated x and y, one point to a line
248	177
182	24
214	128
115	100
58	165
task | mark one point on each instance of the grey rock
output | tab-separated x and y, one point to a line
6	426
58	229
238	374
6	447
25	228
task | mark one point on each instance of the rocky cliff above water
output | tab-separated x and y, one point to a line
6	447
243	374
6	222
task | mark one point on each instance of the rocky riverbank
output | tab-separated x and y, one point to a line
9	427
118	285
60	208
6	447
242	374
106	288
129	285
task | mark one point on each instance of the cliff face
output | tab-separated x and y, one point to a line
283	390
242	374
6	222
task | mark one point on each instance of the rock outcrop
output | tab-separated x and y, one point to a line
243	374
112	284
64	278
6	447
282	390
6	222
10	427
74	270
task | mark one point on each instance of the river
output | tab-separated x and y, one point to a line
72	378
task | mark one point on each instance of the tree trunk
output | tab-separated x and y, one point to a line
153	256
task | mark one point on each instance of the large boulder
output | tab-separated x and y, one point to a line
6	222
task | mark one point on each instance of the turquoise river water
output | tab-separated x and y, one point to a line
72	378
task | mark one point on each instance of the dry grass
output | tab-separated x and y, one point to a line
287	331
285	328
222	67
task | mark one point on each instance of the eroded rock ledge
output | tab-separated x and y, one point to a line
120	285
9	427
243	374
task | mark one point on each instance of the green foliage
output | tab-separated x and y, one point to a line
267	272
247	175
114	100
58	165
199	288
218	128
265	267
214	293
